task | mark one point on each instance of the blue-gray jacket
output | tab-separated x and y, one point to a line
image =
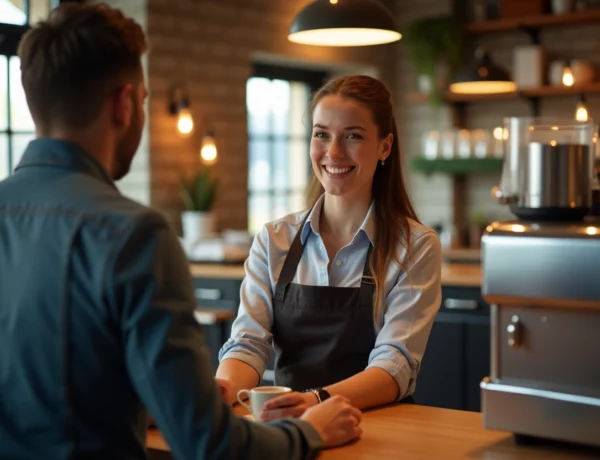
96	323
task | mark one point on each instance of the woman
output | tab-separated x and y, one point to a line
347	292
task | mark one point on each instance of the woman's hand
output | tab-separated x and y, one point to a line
289	405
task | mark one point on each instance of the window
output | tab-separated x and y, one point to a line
16	124
21	12
279	135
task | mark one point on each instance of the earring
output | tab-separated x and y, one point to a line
382	161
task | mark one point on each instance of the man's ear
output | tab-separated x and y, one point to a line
122	105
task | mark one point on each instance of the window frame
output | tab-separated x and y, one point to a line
10	36
314	79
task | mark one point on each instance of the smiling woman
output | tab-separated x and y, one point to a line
345	292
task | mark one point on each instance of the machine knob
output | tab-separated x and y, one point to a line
515	332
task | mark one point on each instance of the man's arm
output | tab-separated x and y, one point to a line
149	290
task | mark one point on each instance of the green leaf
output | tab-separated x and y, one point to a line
199	192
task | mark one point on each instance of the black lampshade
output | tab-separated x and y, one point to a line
344	23
482	77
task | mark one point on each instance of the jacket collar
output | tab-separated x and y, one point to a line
62	154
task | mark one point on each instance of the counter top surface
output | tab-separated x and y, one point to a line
412	432
453	274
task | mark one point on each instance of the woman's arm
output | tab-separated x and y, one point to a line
239	376
411	307
369	388
244	357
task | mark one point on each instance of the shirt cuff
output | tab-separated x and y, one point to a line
313	442
401	373
251	360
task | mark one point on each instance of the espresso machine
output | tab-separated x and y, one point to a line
541	277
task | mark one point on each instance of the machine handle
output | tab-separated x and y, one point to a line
515	332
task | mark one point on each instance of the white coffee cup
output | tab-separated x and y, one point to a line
259	396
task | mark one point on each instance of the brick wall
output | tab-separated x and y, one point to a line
432	195
210	45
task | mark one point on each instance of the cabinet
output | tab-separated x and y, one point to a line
457	357
217	293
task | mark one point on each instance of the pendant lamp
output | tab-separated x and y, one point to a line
482	77
344	23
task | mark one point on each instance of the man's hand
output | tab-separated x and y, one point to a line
288	405
336	421
225	388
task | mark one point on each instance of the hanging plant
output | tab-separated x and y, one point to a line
434	42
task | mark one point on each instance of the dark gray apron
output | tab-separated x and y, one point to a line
321	334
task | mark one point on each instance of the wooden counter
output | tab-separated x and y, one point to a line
453	274
412	432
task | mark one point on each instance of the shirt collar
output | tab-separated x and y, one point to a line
62	154
367	227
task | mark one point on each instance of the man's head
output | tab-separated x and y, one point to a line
81	72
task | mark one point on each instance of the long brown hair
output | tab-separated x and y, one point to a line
392	203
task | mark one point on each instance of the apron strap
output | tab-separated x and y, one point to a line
367	282
290	264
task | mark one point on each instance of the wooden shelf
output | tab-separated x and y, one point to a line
542	21
544	91
457	165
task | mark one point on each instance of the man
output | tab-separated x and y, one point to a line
96	303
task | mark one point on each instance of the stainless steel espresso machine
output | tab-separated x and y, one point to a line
541	276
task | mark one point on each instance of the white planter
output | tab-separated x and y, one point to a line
197	225
424	83
562	6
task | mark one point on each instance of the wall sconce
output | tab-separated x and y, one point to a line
208	150
179	103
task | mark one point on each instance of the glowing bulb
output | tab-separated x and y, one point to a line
581	113
185	122
208	152
333	2
567	78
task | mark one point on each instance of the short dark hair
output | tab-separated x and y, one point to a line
71	62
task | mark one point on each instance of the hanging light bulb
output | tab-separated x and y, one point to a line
581	112
208	151
185	122
567	78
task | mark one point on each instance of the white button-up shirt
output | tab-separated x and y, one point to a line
412	294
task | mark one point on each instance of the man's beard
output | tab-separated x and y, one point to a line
126	148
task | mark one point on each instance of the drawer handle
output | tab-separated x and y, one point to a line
460	304
208	294
515	332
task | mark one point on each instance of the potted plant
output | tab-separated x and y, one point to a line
198	194
435	45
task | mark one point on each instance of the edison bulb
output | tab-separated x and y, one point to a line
581	113
208	152
185	123
568	79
